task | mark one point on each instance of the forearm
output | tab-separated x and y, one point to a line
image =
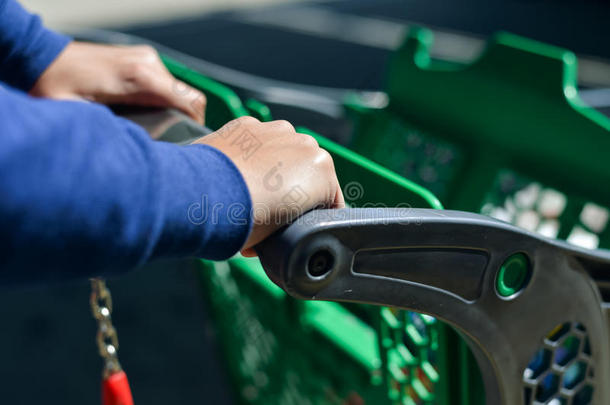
85	193
26	46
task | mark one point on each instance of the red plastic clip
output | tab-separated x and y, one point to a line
116	391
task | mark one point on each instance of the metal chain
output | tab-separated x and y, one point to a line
106	338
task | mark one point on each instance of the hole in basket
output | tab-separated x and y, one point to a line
410	345
539	364
418	322
574	375
587	347
584	396
594	217
583	238
547	388
551	203
567	351
580	327
558	332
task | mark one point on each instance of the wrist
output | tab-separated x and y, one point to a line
207	203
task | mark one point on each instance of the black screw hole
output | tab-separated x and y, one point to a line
320	263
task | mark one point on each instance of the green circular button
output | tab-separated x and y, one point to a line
513	275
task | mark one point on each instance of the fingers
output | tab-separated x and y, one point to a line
248	252
118	75
147	82
339	201
187	99
174	92
334	194
163	90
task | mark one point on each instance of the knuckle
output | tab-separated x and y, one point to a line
203	99
325	160
137	76
146	50
284	126
138	69
247	120
199	101
310	141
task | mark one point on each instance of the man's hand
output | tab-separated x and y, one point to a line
108	74
287	173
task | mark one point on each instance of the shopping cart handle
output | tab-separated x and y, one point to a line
450	253
164	124
489	279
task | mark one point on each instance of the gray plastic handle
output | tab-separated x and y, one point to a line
165	125
446	264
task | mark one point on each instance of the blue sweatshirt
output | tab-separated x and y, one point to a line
85	193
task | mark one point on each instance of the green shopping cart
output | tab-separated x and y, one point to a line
506	136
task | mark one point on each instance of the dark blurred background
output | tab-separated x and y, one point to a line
167	344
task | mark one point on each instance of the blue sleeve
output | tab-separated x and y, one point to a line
26	46
85	193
